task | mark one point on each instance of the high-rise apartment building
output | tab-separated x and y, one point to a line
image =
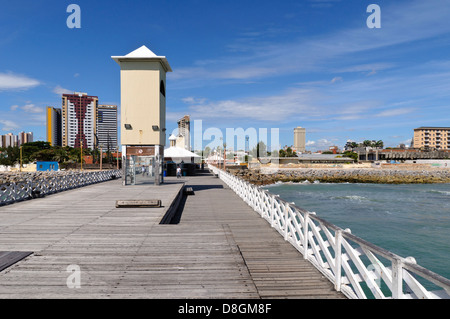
184	128
12	140
8	140
79	112
299	139
107	126
23	138
432	137
54	126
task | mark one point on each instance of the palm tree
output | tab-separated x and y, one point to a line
61	155
379	144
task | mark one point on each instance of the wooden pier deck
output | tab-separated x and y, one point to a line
220	248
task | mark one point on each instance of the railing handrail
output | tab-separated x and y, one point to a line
334	255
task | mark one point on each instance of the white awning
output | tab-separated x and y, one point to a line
178	152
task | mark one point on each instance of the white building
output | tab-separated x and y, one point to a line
107	126
79	112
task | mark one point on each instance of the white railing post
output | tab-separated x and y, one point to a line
305	235
286	223
338	261
272	214
397	279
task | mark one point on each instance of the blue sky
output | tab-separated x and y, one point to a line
240	64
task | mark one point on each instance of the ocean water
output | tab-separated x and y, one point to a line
408	220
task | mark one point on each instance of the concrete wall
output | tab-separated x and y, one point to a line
142	104
432	162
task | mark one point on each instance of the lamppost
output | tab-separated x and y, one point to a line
20	169
224	156
81	154
246	153
117	156
96	143
101	156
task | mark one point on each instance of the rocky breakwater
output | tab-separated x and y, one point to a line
6	178
19	177
265	176
16	177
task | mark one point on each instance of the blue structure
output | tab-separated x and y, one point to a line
47	166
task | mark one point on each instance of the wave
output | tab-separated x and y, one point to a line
439	192
352	198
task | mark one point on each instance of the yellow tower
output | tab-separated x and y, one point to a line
143	106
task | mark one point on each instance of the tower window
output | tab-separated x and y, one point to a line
162	89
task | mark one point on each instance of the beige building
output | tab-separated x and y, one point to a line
432	137
299	139
143	97
143	114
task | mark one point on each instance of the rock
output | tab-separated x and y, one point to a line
382	176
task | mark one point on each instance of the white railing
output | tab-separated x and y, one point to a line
357	268
51	182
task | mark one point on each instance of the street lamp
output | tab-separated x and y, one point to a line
20	158
81	143
80	95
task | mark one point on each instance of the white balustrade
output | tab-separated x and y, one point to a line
51	182
357	268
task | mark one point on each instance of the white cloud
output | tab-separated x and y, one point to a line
8	125
11	81
31	108
296	103
345	50
322	3
319	145
336	79
395	112
60	90
192	100
28	108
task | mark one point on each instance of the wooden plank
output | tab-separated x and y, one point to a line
221	248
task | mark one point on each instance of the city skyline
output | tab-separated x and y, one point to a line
81	117
314	64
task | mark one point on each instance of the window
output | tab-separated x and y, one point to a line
162	88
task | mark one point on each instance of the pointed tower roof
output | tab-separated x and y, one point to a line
143	54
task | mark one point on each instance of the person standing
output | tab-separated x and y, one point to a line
178	172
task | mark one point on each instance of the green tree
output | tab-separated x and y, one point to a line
61	155
289	152
379	144
44	155
29	149
10	156
351	154
260	150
